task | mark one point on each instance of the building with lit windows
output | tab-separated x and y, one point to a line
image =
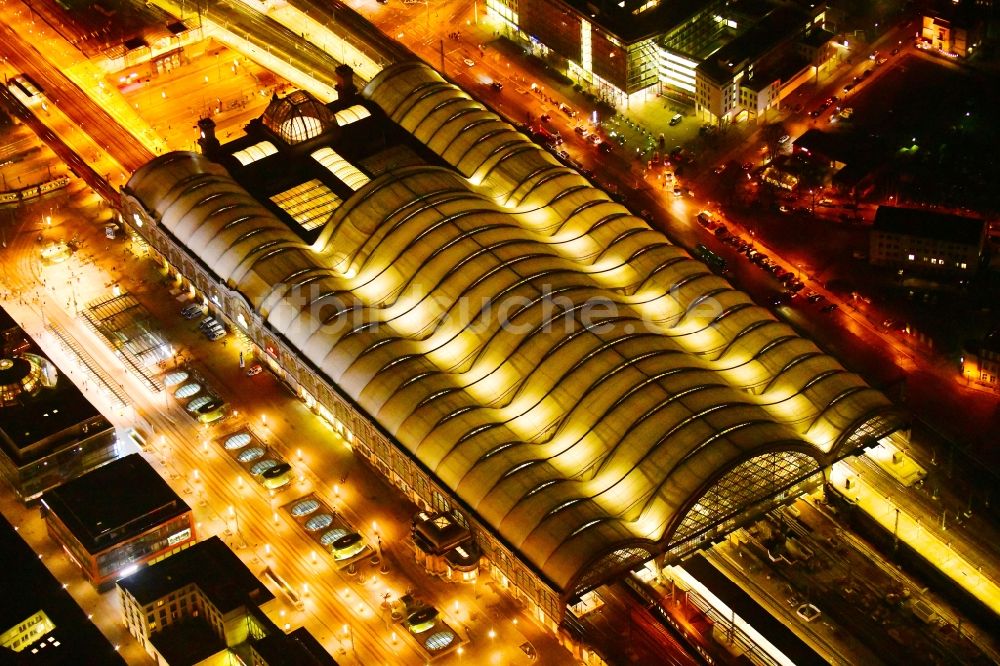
981	361
752	72
40	623
117	518
920	240
617	49
204	604
501	340
49	432
955	28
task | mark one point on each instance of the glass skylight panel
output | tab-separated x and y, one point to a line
351	114
346	172
258	151
310	204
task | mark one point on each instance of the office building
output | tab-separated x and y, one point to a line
920	240
40	623
49	432
500	339
619	51
117	518
203	604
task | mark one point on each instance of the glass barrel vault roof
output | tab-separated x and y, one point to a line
570	375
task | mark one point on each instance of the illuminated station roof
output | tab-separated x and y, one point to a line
578	382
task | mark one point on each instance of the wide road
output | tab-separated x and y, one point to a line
24	57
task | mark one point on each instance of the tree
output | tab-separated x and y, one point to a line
771	135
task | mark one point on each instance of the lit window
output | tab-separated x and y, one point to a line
911	257
964	265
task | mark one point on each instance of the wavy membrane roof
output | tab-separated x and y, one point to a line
614	397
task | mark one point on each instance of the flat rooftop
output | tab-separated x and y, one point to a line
211	565
187	642
6	321
114	503
50	411
298	648
929	224
759	38
631	27
29	590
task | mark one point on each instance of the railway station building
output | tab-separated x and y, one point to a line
495	335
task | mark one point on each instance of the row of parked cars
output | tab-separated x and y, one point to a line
758	258
210	327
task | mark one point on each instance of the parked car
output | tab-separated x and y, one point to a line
828	308
722	231
254	369
496	86
192	311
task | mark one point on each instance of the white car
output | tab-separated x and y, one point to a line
469	62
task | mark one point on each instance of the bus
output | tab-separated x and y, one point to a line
713	260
